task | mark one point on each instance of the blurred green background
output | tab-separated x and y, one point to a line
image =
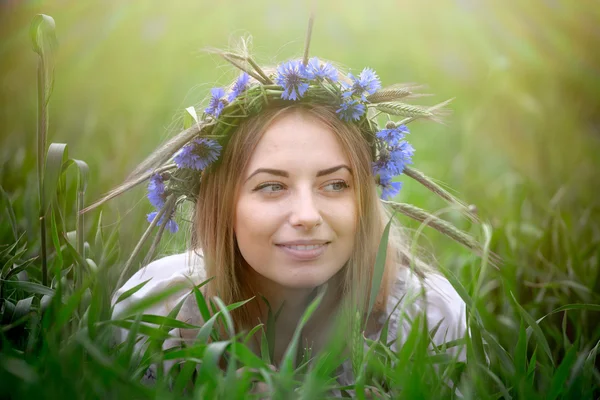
522	142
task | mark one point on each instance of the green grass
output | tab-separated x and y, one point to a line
521	145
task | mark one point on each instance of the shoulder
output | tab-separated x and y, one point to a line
185	269
182	270
435	297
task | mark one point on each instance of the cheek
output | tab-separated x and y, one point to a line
343	218
254	225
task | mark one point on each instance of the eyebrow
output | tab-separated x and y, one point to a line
279	172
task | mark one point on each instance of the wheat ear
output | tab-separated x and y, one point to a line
444	194
443	227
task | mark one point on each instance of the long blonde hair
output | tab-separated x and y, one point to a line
213	222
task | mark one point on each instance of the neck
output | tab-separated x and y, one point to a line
293	300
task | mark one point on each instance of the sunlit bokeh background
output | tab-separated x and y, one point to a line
522	144
522	141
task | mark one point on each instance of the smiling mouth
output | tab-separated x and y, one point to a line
304	252
303	247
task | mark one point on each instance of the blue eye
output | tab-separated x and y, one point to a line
269	187
274	187
338	186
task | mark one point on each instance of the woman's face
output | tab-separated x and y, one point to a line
296	213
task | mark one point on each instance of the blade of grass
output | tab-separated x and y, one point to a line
82	182
379	265
531	368
19	268
43	37
562	374
252	332
496	379
155	298
535	327
212	354
19	368
10	263
7	205
287	364
128	293
56	156
10	247
132	339
147	330
566	307
226	316
201	300
184	377
269	335
30	287
169	209
162	321
58	261
143	239
99	238
22	308
521	354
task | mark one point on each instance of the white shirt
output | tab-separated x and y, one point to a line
409	296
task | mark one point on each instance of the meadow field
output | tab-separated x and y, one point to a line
521	145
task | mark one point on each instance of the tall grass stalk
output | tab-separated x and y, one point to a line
169	204
311	21
44	41
169	209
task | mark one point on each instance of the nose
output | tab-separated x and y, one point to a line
305	212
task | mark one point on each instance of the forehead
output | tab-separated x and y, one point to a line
298	139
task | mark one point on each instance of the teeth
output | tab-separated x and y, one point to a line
305	247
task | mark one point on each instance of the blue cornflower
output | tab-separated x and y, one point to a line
217	102
315	70
291	76
389	189
393	160
366	82
156	191
171	225
393	136
402	155
238	87
351	110
198	154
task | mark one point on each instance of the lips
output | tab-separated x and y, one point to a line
304	251
303	246
303	242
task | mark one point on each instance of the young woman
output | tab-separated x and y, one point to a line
286	202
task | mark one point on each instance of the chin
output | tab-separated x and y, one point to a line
304	280
304	283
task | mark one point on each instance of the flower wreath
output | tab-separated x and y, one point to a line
294	81
173	170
